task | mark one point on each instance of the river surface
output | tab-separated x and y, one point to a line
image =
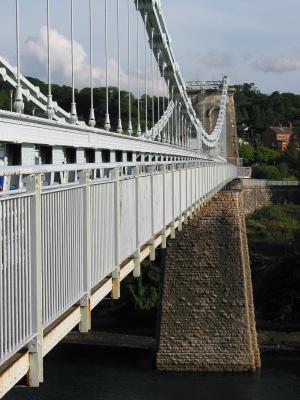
97	373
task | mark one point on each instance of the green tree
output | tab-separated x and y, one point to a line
260	111
246	152
264	155
269	172
283	169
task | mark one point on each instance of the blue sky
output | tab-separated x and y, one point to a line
251	41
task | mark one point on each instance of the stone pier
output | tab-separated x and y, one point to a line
207	320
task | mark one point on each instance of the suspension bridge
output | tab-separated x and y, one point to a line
82	205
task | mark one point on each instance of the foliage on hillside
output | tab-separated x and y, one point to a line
259	111
253	108
273	235
255	113
63	96
271	164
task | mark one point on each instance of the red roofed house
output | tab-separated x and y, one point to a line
278	138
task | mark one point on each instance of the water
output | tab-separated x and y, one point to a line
94	373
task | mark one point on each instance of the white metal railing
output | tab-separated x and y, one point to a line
244	172
59	242
16	274
62	249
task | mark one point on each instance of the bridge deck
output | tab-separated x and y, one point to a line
65	248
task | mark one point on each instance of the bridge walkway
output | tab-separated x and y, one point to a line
67	246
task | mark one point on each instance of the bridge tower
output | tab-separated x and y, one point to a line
206	97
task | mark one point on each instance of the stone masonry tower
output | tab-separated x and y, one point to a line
205	98
207	320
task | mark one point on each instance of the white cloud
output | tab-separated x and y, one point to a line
217	60
61	67
278	65
213	65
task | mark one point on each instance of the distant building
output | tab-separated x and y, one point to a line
278	138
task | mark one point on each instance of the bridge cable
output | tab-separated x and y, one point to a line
172	120
139	131
146	77
181	125
181	128
92	121
129	74
185	131
18	104
107	125
176	122
158	97
168	100
152	77
74	117
163	81
211	140
50	109
119	128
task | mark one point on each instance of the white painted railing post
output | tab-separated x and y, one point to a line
213	174
164	234
151	243
137	254
117	204
197	185
203	183
180	166
173	230
35	348
191	192
85	302
210	181
186	213
206	181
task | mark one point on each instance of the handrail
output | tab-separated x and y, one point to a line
43	169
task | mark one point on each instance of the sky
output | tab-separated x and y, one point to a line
251	41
